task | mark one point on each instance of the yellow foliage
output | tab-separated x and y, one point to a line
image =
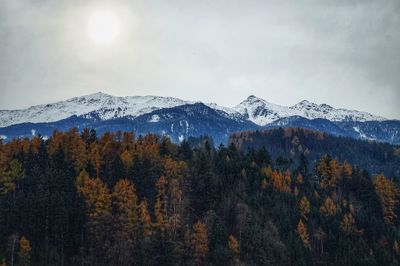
24	252
303	233
124	199
348	224
24	245
267	172
96	194
305	207
329	208
299	179
127	159
281	182
264	183
145	219
388	194
347	169
199	241
296	191
396	248
174	169
233	244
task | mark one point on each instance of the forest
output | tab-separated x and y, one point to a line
119	199
292	144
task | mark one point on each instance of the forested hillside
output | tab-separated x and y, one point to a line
296	144
121	199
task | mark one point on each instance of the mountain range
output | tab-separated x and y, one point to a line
180	119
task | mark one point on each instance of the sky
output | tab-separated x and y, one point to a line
340	52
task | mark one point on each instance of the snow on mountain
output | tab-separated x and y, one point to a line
103	105
262	112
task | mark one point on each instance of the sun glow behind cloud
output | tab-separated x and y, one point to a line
103	27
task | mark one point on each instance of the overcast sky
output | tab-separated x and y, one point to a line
341	52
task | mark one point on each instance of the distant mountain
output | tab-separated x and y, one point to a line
178	123
102	105
180	119
262	112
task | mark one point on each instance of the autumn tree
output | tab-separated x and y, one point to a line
176	207
24	256
299	179
305	207
9	179
388	194
347	170
95	193
329	207
281	182
348	224
160	208
234	248
95	157
145	219
124	199
329	170
303	233
199	243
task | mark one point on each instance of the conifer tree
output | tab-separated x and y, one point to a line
233	245
348	224
329	207
347	170
199	243
145	219
160	208
124	199
305	207
24	256
9	179
388	194
303	233
96	194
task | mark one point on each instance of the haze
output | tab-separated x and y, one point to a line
343	53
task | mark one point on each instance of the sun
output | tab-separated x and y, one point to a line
103	27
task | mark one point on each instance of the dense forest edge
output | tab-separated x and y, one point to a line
120	199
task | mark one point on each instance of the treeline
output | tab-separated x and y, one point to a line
118	199
293	143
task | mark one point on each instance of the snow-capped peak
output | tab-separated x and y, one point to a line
103	106
259	111
262	112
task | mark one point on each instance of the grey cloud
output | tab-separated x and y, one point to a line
345	53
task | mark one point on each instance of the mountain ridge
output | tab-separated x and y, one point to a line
106	106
